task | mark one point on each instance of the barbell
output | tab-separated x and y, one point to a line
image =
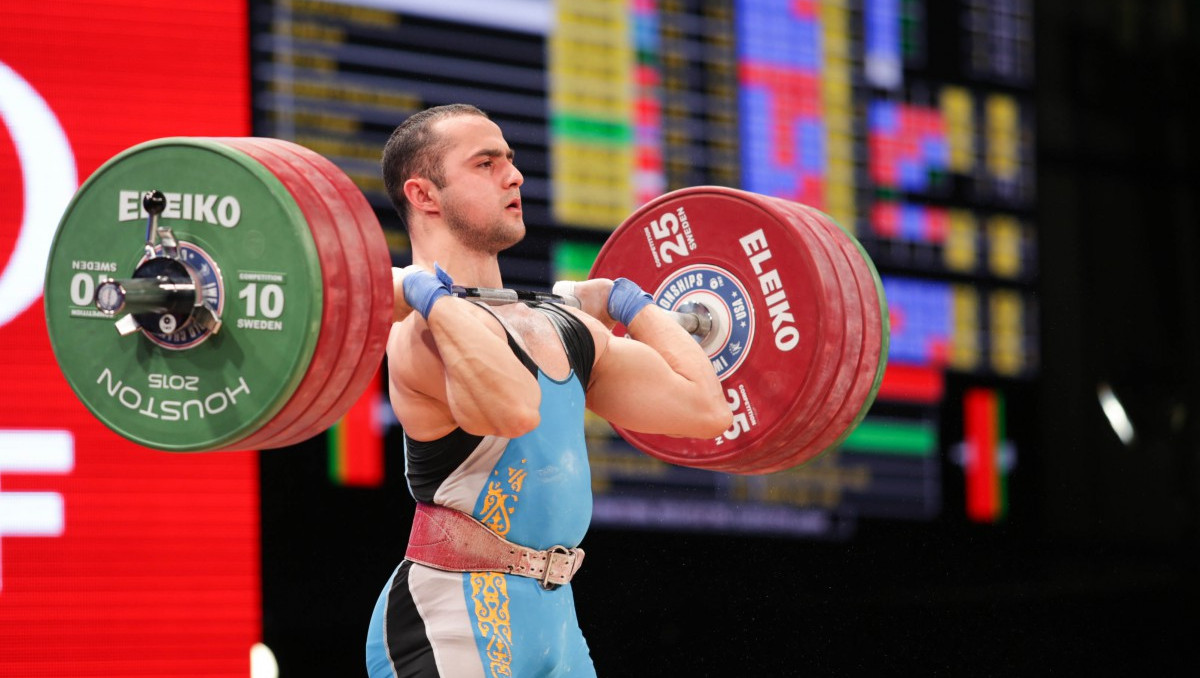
235	293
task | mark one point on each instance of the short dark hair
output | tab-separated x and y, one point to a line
415	150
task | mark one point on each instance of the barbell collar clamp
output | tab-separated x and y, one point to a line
157	295
161	298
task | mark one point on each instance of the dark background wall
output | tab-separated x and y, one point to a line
1095	568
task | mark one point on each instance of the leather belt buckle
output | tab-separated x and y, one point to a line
560	564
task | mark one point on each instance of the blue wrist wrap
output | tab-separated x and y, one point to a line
422	289
625	300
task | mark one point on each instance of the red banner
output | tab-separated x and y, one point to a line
115	560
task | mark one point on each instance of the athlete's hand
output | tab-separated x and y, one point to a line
416	289
592	295
400	307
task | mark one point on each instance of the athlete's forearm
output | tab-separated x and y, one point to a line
700	392
488	390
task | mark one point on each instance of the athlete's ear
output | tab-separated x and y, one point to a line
422	194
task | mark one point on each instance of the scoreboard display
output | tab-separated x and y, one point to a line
909	122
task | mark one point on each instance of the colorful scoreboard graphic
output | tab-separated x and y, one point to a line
780	69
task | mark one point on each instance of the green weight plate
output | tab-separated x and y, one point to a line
248	233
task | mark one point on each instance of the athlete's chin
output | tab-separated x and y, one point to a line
501	239
515	232
509	242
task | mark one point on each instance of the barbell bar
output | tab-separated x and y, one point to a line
695	320
163	295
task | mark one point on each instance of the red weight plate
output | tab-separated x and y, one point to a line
369	254
868	373
308	420
809	436
798	439
874	354
875	325
375	260
779	297
371	273
846	395
336	295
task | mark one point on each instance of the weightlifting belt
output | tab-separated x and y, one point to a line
451	540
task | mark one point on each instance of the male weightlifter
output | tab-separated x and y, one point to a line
492	400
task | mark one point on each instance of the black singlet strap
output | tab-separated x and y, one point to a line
524	357
575	337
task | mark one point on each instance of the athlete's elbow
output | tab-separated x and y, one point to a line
504	420
715	419
521	412
706	414
519	422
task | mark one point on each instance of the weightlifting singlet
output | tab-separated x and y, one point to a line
534	490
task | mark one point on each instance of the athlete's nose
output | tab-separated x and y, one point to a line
516	178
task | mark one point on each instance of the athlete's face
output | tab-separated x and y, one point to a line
481	200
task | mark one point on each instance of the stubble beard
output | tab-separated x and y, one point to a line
491	238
